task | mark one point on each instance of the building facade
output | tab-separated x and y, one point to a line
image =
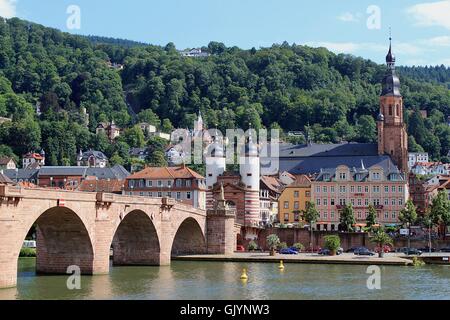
33	159
386	190
293	200
416	157
7	163
180	183
92	158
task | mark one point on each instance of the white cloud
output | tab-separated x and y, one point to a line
349	17
431	14
8	8
347	47
441	41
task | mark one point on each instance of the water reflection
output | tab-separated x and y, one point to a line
216	280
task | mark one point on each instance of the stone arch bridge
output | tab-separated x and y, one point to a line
78	228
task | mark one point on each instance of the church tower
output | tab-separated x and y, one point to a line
392	135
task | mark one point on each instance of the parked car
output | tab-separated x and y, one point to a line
446	249
413	251
295	249
401	250
363	251
386	249
352	249
240	248
326	252
288	251
427	249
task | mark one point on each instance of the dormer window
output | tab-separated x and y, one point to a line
342	176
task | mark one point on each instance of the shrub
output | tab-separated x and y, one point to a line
299	246
252	246
27	253
332	243
273	241
282	245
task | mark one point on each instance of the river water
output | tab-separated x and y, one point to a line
218	280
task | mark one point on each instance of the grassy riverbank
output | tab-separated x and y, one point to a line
27	253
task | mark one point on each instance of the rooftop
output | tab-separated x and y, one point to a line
166	173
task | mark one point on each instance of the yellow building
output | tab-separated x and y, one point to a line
293	200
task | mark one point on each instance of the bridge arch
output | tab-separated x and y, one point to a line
136	241
62	240
189	239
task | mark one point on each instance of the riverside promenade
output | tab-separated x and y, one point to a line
345	258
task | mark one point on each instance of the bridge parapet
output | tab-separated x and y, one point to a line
8	191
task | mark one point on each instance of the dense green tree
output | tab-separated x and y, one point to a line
347	218
371	219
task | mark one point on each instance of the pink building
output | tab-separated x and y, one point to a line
384	188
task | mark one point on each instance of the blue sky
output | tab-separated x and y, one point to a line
420	28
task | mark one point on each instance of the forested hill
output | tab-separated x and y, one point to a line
285	86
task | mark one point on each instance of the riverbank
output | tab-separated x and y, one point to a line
346	258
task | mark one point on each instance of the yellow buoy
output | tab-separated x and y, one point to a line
281	266
244	274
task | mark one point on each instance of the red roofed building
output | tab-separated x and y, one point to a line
33	158
181	183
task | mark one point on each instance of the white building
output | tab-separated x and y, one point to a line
416	157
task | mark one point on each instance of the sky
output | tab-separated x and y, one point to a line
420	28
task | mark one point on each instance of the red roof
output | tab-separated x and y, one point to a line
36	156
166	173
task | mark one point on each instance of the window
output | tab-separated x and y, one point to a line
393	188
318	189
342	189
394	215
169	183
318	202
332	202
376	202
149	183
386	202
342	176
376	176
394	202
400	189
296	205
342	202
296	217
332	189
286	204
359	189
296	194
188	183
169	194
178	183
366	189
178	195
286	217
352	189
386	215
160	183
332	215
386	189
366	202
131	183
188	195
150	194
359	215
400	201
141	194
390	110
324	189
159	194
325	201
308	194
325	215
352	201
